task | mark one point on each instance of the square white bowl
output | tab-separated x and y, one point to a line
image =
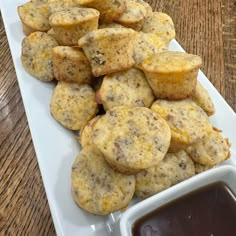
226	174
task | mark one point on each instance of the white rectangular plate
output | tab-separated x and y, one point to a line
56	147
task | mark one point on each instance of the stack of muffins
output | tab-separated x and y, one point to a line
142	114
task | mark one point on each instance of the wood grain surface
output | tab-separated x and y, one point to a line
204	27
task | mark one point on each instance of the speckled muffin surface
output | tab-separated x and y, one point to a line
201	168
96	187
70	24
34	17
128	87
86	133
146	5
134	15
211	150
73	105
187	121
58	5
109	50
110	10
145	45
71	64
131	138
174	168
36	55
203	99
161	24
172	75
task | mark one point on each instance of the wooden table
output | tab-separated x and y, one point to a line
204	27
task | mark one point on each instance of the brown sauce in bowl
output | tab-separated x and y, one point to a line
207	211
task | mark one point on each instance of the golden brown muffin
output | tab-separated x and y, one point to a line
161	24
172	75
58	5
96	187
174	168
36	55
211	150
128	87
70	24
131	138
86	133
110	10
203	99
73	105
145	45
188	122
146	5
134	15
70	64
109	50
34	17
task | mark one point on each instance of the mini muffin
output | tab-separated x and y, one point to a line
134	15
131	138
73	105
203	99
174	168
58	5
36	55
110	25
172	75
86	133
110	10
201	168
211	150
71	24
128	87
161	24
96	187
146	5
145	45
70	64
188	122
34	17
109	50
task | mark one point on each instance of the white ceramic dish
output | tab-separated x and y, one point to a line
226	174
56	147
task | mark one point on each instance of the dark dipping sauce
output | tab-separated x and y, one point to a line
207	211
